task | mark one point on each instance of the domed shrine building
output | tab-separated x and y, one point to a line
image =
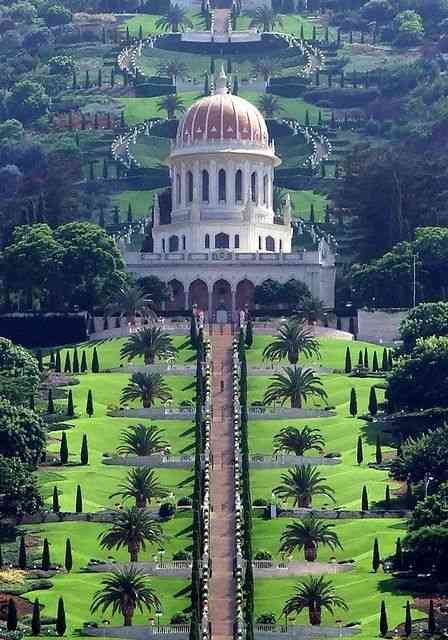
223	237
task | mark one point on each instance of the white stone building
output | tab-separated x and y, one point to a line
224	238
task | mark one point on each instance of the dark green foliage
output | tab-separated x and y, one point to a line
378	452
359	452
78	502
364	499
249	339
130	214
75	361
67	364
398	557
68	560
40	363
35	620
55	502
11	620
45	563
83	362
95	361
375	366
70	407
376	560
431	619
360	359
32	403
390	361
63	450
22	560
373	402
348	361
366	359
409	496
52	360
383	619
384	361
193	332
241	344
50	404
84	451
89	404
408	620
353	403
387	497
61	624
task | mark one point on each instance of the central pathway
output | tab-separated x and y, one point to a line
222	604
222	17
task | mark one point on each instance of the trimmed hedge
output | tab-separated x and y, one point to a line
341	98
36	330
268	42
152	89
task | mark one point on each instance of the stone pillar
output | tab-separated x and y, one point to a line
183	186
230	179
213	178
259	187
210	302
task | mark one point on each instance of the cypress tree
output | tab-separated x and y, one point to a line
70	407
359	452
63	451
387	497
45	563
348	361
353	403
68	561
398	557
431	619
378	452
75	361
130	214
360	359
67	364
383	619
376	560
83	362
193	332
22	561
84	451
78	503
11	620
384	362
408	620
364	499
366	359
35	620
61	624
249	339
55	506
95	361
375	366
390	361
50	404
89	404
373	402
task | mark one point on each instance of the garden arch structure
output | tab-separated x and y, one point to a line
198	294
222	298
245	295
177	301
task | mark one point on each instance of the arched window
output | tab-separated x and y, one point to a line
207	241
265	189
163	246
270	243
178	188
259	243
184	244
236	243
222	185
253	187
189	186
205	186
173	243
222	241
238	186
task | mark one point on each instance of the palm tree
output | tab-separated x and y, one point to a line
132	528
171	104
310	309
291	340
269	105
296	384
141	440
301	484
265	67
173	68
130	302
308	534
142	484
314	593
125	591
298	441
146	387
265	19
175	19
149	342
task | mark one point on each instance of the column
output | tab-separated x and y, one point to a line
182	186
210	302
231	184
213	175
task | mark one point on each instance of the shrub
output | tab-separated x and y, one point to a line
167	510
185	501
181	555
263	555
341	98
266	618
260	502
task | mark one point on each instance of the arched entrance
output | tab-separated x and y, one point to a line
222	301
245	292
177	301
198	295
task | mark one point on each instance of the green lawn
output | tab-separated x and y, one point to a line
139	109
301	202
291	107
148	23
140	201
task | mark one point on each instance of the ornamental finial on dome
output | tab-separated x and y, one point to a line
221	82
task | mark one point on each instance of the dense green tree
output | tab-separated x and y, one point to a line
68	559
359	451
61	624
35	619
55	500
421	456
22	560
70	406
376	559
18	487
425	320
22	434
364	499
378	452
384	626
430	510
45	562
78	500
348	361
63	449
353	408
373	402
89	404
19	372
427	549
11	616
84	450
27	101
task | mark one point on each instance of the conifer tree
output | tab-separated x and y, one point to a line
68	560
398	557
364	499
11	619
83	362
45	563
193	332
63	451
249	339
373	402
78	502
353	403
61	624
130	214
89	403
70	407
375	366
390	361
360	359
378	452
376	560
348	361
431	619
75	367
35	619
383	619
359	451
95	361
22	560
84	451
387	497
408	620
366	358
67	364
55	501
384	362
50	404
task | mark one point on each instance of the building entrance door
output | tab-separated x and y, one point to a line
222	316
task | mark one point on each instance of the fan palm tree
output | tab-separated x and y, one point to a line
298	441
310	309
125	591
132	528
173	68
142	484
292	339
131	301
265	67
296	384
308	534
269	105
147	387
301	484
174	20
172	104
141	440
149	342
314	593
265	19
